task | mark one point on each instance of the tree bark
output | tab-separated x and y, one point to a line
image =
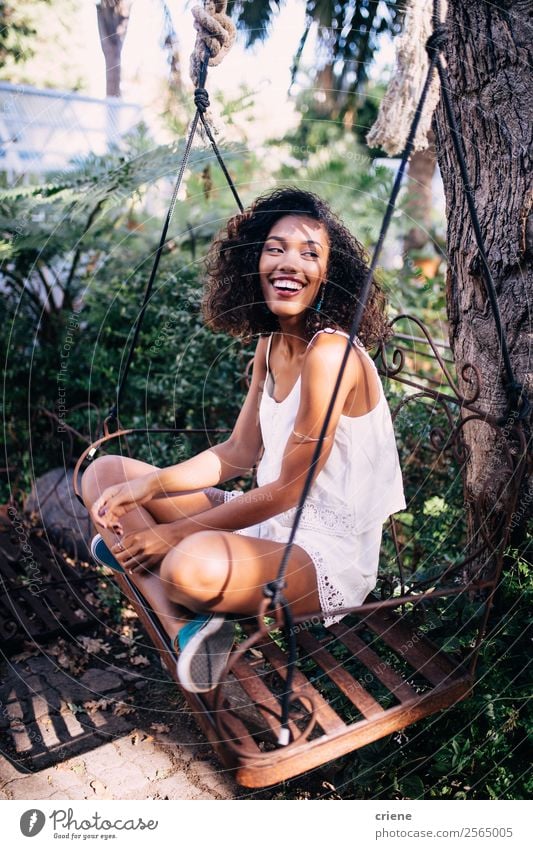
489	58
113	18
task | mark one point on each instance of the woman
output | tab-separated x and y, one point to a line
288	270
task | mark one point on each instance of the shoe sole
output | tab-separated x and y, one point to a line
204	658
94	543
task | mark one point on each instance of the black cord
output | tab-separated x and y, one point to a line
201	100
274	588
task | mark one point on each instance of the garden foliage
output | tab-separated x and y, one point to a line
76	253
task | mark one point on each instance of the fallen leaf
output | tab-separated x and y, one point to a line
137	738
94	646
100	704
122	709
160	727
139	660
78	768
19	658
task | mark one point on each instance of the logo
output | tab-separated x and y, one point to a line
32	822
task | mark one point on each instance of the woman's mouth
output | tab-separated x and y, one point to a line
287	287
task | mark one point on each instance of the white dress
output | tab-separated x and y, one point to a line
358	488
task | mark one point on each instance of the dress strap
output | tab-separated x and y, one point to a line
269	345
329	330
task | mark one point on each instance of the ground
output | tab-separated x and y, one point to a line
87	710
111	733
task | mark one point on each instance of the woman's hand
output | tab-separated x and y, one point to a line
119	499
145	549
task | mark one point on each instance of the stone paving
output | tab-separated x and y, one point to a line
109	733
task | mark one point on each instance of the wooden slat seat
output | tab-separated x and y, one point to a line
351	688
375	664
419	652
258	765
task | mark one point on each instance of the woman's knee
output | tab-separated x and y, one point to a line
103	472
196	569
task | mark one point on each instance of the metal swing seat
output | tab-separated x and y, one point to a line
296	695
379	669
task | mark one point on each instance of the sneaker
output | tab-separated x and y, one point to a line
100	552
204	648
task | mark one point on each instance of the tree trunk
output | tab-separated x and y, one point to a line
489	59
419	203
325	91
113	17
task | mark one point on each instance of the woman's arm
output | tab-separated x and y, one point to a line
222	462
320	368
229	459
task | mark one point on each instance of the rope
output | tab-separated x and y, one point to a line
290	635
215	36
397	109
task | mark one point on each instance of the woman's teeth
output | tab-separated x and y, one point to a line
284	284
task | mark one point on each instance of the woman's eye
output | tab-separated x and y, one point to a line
310	253
270	249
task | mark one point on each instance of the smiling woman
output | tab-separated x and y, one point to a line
285	269
235	298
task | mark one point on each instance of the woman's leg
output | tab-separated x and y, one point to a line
226	572
113	469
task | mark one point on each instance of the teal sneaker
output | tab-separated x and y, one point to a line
100	552
205	645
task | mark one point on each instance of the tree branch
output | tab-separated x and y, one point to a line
25	290
77	252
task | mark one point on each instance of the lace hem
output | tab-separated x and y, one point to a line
318	517
228	496
330	597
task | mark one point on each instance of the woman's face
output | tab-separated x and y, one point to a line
293	264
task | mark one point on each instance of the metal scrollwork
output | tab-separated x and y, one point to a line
469	372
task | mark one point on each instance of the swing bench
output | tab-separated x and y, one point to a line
296	695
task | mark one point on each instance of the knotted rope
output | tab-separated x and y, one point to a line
215	37
399	104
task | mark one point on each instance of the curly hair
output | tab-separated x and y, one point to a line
233	301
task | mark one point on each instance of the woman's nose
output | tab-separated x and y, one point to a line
289	260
